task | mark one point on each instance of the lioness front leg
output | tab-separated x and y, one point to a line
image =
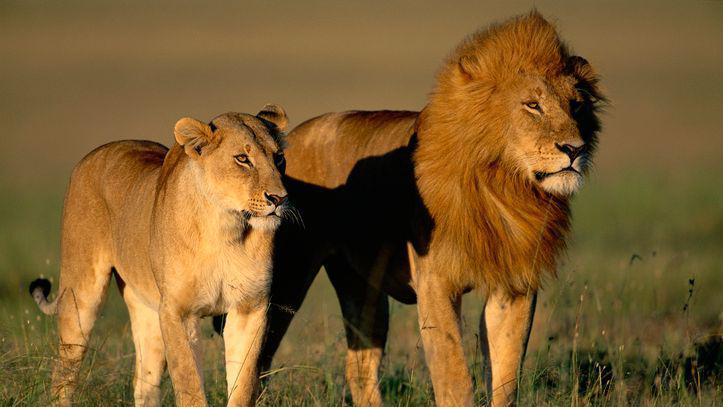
439	321
243	338
504	331
183	367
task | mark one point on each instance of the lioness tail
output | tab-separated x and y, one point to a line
40	289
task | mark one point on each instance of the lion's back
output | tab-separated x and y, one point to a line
346	138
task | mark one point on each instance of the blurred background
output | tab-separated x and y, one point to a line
643	279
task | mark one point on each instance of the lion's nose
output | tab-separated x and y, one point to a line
275	200
571	151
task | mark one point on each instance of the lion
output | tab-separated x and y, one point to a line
470	193
187	233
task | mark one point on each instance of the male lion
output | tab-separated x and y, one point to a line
187	232
470	193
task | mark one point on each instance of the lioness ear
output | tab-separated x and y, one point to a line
274	114
193	135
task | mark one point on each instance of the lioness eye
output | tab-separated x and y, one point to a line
533	105
280	162
242	159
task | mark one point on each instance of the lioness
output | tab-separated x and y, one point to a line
470	193
187	232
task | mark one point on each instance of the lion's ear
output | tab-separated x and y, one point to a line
194	136
468	66
274	114
586	76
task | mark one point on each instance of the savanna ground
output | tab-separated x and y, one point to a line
636	312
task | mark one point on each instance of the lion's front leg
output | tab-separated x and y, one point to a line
504	331
243	337
439	322
180	338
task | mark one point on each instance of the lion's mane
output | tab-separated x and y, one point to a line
496	227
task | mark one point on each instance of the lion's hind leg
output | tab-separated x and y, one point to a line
366	321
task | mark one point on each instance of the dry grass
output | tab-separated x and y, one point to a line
622	324
634	317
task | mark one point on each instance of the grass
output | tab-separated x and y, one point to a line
634	317
622	324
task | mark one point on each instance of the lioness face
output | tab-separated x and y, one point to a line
241	165
552	135
247	167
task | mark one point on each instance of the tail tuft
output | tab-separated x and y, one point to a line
39	290
41	283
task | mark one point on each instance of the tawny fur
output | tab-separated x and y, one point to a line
470	193
519	229
188	233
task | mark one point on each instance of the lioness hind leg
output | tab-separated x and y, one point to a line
150	351
85	271
366	321
78	304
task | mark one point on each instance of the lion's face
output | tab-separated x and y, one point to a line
548	137
241	166
523	102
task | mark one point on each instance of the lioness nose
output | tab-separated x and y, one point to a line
275	200
571	151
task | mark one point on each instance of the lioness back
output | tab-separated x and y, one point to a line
116	169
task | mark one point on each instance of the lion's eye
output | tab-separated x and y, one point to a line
242	159
533	105
280	162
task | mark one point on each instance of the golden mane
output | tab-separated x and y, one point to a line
497	228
